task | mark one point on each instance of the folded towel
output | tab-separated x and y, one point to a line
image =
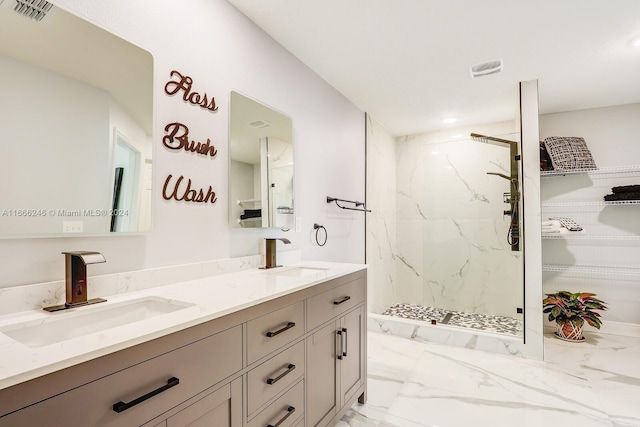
250	217
251	213
551	223
552	230
635	195
626	189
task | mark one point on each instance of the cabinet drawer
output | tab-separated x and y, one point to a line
327	305
197	366
274	376
289	405
271	331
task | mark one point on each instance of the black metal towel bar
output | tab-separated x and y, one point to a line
357	204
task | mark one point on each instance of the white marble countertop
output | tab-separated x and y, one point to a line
207	299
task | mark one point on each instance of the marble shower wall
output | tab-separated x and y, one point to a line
440	240
436	235
381	222
451	247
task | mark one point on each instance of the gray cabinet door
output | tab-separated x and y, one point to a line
322	397
351	365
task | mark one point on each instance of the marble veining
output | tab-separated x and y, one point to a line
594	384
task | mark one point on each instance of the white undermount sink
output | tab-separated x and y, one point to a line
64	325
298	271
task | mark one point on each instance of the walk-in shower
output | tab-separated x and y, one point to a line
440	267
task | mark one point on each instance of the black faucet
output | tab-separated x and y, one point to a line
76	279
270	253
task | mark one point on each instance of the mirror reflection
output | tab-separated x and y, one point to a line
76	119
261	166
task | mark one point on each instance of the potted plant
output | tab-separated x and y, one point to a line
570	311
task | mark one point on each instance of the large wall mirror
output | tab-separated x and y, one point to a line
261	166
76	119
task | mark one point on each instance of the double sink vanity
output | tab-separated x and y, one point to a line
277	347
273	347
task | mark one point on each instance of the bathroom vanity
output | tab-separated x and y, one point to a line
281	347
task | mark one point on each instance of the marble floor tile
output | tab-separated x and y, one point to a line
596	383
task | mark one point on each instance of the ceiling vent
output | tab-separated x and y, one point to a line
260	124
33	9
486	68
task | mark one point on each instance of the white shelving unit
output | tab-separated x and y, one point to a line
590	208
592	270
248	202
612	171
577	236
250	222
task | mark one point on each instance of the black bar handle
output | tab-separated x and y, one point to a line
290	410
345	299
290	368
339	334
122	406
279	331
346	342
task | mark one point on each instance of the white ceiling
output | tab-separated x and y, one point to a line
406	62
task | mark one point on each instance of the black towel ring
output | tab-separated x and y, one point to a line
318	227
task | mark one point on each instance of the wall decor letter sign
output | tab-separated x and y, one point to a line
184	83
187	193
177	137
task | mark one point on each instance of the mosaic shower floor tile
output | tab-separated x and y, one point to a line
484	322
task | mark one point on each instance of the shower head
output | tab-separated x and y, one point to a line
491	140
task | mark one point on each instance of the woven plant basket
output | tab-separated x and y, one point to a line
569	331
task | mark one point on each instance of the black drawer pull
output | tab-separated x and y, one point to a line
279	331
345	299
290	368
290	410
121	406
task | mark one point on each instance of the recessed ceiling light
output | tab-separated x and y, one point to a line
636	43
449	120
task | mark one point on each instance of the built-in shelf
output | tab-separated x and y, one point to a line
629	170
595	270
